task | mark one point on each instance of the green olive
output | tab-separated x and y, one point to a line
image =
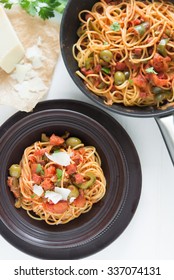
142	28
158	90
162	46
74	191
15	170
92	26
126	74
90	180
119	78
106	55
89	63
80	31
18	202
73	141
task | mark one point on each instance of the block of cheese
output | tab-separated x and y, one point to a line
11	49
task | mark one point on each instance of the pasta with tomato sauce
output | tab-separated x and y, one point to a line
125	51
57	179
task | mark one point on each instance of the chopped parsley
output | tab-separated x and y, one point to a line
151	70
131	82
106	70
39	169
44	8
115	26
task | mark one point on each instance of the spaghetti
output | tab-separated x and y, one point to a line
58	179
125	51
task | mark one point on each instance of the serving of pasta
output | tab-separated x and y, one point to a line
57	179
125	51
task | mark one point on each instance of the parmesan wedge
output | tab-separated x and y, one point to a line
11	49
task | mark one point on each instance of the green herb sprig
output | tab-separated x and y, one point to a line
44	8
150	70
115	26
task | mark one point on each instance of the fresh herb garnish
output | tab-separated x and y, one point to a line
115	26
59	174
106	70
151	70
44	8
131	81
39	169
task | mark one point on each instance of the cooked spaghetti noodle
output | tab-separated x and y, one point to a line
57	180
125	51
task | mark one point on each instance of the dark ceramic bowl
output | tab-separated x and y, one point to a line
68	37
91	231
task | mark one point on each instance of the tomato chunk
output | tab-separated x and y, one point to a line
57	208
140	81
78	178
14	188
40	152
47	184
36	178
50	171
71	169
156	81
56	140
80	201
120	66
160	63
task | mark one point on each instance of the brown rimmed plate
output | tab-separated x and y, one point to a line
95	230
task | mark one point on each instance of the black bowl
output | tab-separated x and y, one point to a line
68	37
91	231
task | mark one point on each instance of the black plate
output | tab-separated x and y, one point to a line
68	37
93	235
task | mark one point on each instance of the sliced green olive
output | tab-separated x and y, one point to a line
92	26
44	138
162	47
161	94
73	141
168	32
161	97
15	170
74	191
18	202
101	85
141	28
89	63
119	78
80	31
126	74
106	55
90	180
158	90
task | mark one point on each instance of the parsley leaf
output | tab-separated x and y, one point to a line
44	8
59	174
151	70
115	26
131	82
39	169
106	70
61	6
7	4
30	7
